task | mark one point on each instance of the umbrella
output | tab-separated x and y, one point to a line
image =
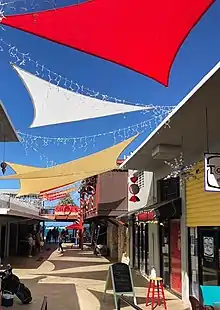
142	35
74	226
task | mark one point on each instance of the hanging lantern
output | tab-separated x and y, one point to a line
134	189
3	166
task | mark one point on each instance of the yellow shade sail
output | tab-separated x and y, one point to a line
34	180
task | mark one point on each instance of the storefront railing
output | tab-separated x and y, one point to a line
127	301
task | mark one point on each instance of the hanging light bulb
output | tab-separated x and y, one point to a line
3	166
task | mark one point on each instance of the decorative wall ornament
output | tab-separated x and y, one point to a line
180	169
134	189
125	36
3	166
59	105
212	172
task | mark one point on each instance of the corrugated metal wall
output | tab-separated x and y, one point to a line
202	208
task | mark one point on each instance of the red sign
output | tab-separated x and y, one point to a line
66	210
146	216
54	196
57	195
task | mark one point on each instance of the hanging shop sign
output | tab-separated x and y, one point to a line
147	216
67	210
54	196
134	189
212	172
59	194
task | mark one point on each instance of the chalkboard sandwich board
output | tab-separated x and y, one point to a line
119	278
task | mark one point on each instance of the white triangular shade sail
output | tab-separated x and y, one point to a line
34	180
57	105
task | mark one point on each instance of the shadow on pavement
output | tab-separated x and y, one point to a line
59	296
30	263
108	302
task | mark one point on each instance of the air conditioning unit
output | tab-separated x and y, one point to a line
166	151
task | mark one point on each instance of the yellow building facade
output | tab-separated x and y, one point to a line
202	208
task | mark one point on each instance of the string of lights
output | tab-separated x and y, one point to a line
83	142
43	157
180	169
36	143
24	6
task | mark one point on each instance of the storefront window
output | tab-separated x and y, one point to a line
209	257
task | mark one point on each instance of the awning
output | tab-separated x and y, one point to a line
126	216
160	211
34	180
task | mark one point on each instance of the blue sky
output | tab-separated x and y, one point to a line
200	52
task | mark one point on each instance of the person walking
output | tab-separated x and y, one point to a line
77	238
38	240
60	241
41	242
30	245
48	238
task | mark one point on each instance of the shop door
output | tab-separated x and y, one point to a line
165	253
209	257
175	257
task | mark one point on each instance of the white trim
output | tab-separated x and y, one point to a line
4	211
177	108
9	121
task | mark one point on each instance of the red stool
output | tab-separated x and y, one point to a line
156	291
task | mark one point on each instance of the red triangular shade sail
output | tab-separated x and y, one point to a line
143	35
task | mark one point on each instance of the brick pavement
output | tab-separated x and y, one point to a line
74	280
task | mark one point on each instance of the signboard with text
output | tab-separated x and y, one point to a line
212	172
67	210
119	279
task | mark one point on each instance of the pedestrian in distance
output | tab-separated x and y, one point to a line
48	238
30	245
38	240
60	241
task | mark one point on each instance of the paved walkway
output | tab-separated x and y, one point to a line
74	280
